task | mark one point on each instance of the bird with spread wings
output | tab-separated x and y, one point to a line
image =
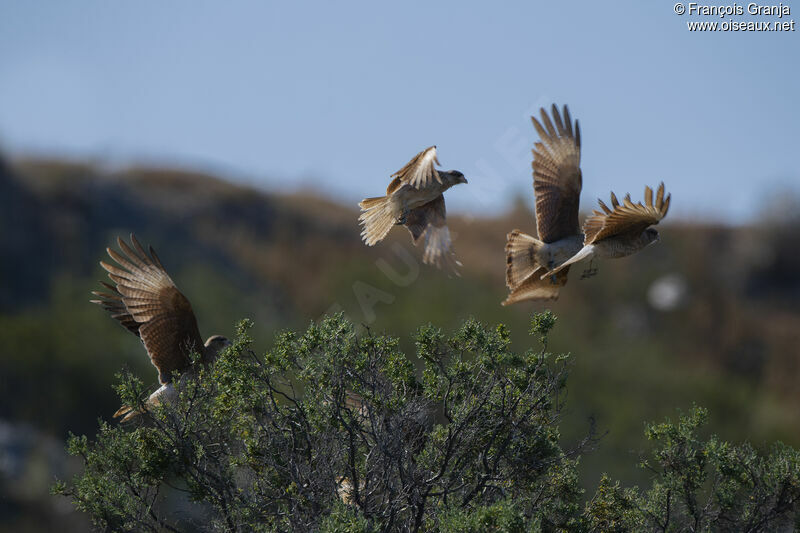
620	231
557	183
145	301
415	199
537	268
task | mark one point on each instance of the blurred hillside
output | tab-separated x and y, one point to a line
710	315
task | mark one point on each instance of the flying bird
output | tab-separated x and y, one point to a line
557	183
146	301
620	231
414	199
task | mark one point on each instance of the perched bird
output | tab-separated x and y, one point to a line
146	302
394	433
620	231
557	186
414	199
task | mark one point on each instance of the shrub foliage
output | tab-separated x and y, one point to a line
336	430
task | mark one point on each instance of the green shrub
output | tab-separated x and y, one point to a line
335	430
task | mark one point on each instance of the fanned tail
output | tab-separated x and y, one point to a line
521	261
377	218
536	289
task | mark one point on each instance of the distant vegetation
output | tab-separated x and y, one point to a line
334	431
725	335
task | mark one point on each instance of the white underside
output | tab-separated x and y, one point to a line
554	254
164	394
587	252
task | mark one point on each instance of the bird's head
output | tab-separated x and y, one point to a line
217	343
651	235
453	177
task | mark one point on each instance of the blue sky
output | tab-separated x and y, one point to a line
338	95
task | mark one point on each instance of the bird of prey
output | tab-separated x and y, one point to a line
407	429
620	231
414	199
557	186
146	301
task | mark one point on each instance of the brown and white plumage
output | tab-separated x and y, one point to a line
557	183
146	301
534	288
428	222
418	172
414	198
626	218
621	230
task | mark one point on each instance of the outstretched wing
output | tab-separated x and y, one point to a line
166	322
429	221
557	177
112	302
418	172
626	217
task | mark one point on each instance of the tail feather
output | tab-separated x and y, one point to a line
521	261
127	413
585	252
165	393
377	218
536	289
125	409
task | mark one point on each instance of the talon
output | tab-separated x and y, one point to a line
590	271
550	266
